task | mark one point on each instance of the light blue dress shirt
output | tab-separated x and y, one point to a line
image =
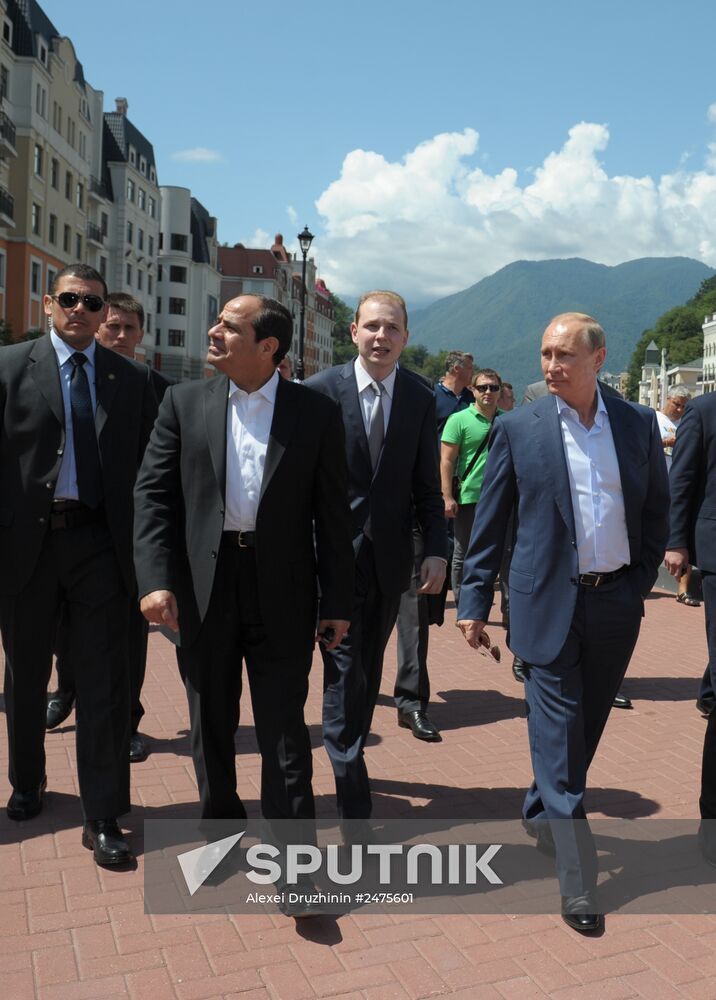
66	486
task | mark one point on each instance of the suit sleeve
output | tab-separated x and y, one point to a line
149	414
427	495
492	514
332	521
685	479
655	512
157	504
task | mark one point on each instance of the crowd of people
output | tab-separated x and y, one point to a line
118	513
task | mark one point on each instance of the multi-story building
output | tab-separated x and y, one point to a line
277	274
188	285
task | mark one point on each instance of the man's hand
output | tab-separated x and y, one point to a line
160	608
432	575
331	631
474	633
677	561
450	507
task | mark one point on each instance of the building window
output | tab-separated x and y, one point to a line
80	195
68	186
41	101
159	304
152	175
4	82
158	338
130	232
142	199
152	207
132	156
67	239
37	161
36	219
140	239
104	224
130	189
129	275
103	267
71	132
177	307
142	166
177	274
83	145
179	242
55	173
161	241
257	269
35	278
140	280
160	272
43	54
78	246
148	322
52	231
150	284
51	275
2	270
175	338
7	31
150	246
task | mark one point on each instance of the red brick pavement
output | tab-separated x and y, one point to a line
69	930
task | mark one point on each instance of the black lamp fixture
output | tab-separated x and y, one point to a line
305	239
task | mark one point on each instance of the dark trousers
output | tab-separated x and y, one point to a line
707	801
137	637
77	567
568	703
351	682
211	669
463	529
707	690
412	683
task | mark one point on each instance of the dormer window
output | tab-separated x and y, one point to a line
42	53
257	269
7	31
142	166
132	156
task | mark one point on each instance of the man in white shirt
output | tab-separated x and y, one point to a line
587	477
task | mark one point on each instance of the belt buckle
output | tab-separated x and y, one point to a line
240	541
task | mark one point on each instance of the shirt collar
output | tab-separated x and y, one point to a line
600	418
364	379
267	390
64	351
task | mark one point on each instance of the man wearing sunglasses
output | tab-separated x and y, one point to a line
75	420
464	448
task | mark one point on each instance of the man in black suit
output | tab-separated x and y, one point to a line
389	419
76	418
692	541
122	331
242	472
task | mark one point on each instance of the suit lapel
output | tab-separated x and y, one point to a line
46	374
282	427
107	378
548	435
353	417
216	401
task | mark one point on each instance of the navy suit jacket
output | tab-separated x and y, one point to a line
407	473
693	483
527	469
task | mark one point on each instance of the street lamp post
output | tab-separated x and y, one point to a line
305	239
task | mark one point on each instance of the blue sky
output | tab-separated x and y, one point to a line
425	145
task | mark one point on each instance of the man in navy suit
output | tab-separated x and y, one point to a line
693	541
389	420
586	475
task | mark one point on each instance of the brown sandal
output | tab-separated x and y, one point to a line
689	601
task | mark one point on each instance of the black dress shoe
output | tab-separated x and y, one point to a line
578	912
543	835
104	838
706	706
422	727
621	701
59	707
298	901
25	805
707	841
137	748
518	670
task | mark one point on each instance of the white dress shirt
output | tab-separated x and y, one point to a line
66	487
367	396
596	489
248	425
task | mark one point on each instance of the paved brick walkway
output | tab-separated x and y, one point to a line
69	931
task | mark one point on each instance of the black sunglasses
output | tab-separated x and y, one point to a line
488	386
68	300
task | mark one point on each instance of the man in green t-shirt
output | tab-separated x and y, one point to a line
465	436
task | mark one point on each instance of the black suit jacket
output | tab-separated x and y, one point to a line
407	474
161	383
692	481
33	440
180	506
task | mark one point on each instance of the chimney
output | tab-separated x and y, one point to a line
122	105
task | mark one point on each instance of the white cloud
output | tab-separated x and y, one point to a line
292	215
434	223
199	154
711	113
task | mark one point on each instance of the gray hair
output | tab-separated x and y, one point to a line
678	392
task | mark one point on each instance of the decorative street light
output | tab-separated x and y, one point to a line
305	239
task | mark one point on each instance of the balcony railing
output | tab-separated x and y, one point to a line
7	204
7	129
94	233
98	187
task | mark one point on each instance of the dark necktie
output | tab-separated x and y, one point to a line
89	473
376	428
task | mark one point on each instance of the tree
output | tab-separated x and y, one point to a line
343	346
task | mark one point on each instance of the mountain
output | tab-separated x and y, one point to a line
501	319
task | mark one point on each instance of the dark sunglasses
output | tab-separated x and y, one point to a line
68	300
488	387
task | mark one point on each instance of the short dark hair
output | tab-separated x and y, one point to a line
127	304
273	320
490	372
83	271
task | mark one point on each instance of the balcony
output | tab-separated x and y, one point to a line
7	209
95	234
7	136
98	189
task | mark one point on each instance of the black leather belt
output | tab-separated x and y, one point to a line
599	579
72	514
242	539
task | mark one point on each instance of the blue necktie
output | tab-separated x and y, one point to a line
89	472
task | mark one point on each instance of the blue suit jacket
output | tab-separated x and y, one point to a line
527	469
693	483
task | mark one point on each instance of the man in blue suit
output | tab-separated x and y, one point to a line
586	474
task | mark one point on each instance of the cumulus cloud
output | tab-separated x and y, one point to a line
434	223
292	215
198	154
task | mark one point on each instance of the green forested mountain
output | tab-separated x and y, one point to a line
502	317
